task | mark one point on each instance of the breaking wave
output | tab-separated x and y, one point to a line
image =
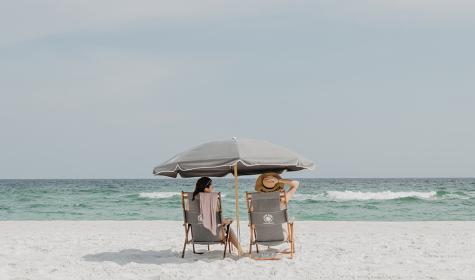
158	194
352	195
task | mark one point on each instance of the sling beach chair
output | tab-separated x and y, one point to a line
267	219
194	226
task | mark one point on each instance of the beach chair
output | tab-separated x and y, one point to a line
267	220
194	227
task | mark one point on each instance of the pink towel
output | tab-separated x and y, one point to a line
208	203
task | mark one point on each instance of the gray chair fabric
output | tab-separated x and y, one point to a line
200	234
268	218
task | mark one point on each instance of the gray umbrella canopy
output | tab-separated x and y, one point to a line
218	158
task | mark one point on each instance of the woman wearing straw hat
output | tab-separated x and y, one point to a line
271	182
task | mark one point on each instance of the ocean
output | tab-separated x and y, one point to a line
317	199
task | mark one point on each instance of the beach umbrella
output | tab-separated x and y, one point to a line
233	156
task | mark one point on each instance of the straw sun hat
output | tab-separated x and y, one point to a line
260	185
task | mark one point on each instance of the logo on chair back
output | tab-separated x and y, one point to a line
268	218
200	218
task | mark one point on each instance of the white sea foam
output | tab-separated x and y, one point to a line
158	195
304	196
386	195
352	195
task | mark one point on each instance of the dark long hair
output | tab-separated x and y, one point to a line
201	185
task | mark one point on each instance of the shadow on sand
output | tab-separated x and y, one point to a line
124	257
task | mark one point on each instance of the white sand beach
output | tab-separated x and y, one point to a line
150	250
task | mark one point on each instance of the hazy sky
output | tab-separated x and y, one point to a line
109	89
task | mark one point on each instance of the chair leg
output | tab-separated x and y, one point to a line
292	241
257	248
226	243
184	243
184	248
225	248
250	239
194	250
208	247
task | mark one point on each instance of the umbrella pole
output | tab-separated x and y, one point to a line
236	195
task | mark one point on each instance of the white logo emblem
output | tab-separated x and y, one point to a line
268	219
200	219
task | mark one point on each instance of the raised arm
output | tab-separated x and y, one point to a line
293	186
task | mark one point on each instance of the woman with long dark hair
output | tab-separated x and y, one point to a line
205	185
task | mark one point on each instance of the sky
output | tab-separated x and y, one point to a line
110	89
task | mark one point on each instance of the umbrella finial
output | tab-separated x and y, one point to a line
234	138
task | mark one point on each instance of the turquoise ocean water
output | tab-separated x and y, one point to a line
317	199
